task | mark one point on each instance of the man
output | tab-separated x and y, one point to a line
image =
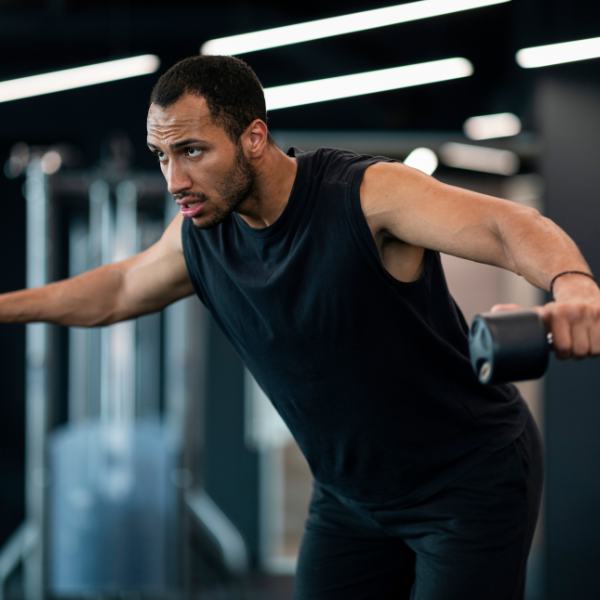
323	271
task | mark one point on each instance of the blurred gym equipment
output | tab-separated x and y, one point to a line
114	492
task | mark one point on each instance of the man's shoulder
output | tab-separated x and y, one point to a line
338	165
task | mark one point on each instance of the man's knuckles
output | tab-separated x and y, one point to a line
562	348
581	349
595	340
575	313
570	312
576	329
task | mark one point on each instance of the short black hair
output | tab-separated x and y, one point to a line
232	91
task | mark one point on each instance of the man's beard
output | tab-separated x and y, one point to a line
236	187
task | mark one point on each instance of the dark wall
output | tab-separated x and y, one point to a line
12	361
569	121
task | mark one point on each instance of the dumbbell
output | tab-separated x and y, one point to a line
509	345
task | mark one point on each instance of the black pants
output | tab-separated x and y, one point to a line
469	541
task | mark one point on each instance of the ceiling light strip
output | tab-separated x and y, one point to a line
492	126
68	79
556	54
480	158
323	28
308	92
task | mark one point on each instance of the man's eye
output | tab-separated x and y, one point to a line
161	156
194	152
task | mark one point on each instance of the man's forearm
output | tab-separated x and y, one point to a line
538	249
88	300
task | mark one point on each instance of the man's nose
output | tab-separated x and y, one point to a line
177	179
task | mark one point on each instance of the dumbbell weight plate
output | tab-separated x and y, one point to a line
508	346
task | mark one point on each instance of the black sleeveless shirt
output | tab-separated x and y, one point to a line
371	375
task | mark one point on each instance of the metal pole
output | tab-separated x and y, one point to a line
37	381
79	405
122	335
99	238
106	245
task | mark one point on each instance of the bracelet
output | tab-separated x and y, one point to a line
568	273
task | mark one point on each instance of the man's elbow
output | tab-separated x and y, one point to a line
513	226
517	219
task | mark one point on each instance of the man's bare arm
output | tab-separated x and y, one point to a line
419	210
144	283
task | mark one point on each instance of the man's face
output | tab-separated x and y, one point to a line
207	173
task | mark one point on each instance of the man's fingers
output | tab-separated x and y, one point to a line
575	328
595	341
580	337
501	307
561	336
545	315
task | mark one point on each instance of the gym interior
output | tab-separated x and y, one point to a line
142	460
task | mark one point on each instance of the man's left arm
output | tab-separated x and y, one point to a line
419	210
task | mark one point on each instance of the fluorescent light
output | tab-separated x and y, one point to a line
422	159
556	54
314	30
492	126
297	94
478	158
69	79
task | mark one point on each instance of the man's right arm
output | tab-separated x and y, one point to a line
142	284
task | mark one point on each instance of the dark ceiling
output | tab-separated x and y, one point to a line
38	36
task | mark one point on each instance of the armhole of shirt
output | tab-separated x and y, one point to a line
363	234
188	254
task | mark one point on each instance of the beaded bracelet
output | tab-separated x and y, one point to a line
568	273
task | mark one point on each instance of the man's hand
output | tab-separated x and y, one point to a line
573	318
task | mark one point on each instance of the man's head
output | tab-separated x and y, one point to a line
207	122
232	91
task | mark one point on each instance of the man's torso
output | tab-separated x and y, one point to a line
371	373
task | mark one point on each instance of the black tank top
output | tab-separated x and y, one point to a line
371	375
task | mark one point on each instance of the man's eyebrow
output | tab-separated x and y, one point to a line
185	142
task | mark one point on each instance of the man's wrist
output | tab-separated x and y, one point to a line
572	285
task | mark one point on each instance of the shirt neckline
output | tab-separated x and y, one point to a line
290	208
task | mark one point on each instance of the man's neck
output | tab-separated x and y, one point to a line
275	175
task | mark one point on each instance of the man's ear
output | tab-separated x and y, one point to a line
256	138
